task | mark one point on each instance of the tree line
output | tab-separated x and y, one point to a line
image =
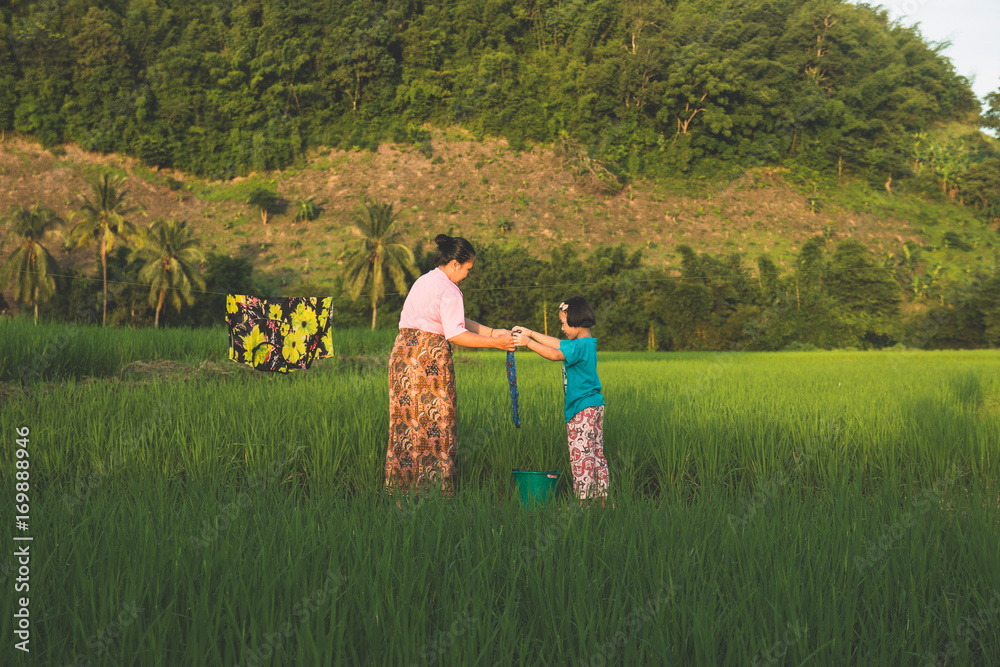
836	294
626	88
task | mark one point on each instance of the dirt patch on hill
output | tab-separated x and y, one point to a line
483	190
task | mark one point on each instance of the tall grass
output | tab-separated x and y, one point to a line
808	508
673	421
53	351
275	578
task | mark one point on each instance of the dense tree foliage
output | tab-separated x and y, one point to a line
645	86
991	115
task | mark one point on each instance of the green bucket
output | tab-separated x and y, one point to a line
535	487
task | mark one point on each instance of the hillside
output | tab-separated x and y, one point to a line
469	187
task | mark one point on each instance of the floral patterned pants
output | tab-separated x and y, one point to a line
586	453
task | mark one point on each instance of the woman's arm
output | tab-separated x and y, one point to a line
469	339
542	350
483	330
476	328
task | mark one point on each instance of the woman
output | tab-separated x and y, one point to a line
422	401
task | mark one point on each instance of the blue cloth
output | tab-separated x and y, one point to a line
512	381
580	382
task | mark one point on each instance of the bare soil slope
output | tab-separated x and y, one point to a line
466	187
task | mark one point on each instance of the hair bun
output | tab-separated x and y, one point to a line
452	248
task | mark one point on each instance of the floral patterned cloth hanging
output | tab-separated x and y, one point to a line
278	334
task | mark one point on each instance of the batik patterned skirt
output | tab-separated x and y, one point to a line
422	413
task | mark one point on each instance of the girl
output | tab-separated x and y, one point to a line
584	402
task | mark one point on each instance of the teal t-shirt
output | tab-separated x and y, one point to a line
580	382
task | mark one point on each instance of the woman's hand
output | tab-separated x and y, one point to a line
498	332
505	342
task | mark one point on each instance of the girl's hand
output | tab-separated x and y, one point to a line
523	331
519	337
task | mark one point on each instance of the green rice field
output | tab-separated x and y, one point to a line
800	508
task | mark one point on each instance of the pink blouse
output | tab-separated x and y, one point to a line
434	304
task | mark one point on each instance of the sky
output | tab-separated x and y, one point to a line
972	27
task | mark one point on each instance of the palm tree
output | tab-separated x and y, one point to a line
377	252
169	253
104	221
31	268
